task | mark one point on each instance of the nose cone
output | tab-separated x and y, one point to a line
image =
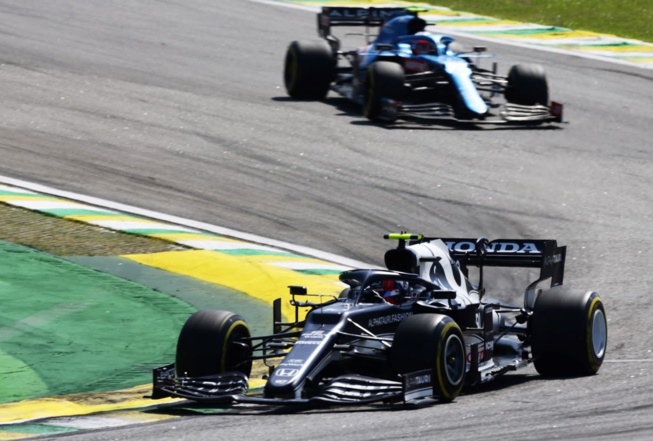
461	75
288	379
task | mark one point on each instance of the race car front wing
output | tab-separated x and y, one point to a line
232	387
212	388
509	114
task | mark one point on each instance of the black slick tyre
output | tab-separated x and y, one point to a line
309	68
569	332
431	341
385	80
527	85
212	342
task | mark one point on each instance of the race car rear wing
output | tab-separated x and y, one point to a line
354	16
516	253
501	252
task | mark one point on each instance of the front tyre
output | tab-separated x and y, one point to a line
527	85
431	341
213	342
569	332
309	68
384	81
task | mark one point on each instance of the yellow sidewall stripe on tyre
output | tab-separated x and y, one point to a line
225	343
590	343
439	366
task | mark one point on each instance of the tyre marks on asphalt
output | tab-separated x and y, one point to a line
584	43
27	324
61	332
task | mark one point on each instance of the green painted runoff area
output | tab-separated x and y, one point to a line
195	292
65	328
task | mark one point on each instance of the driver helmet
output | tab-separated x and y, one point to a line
423	46
393	292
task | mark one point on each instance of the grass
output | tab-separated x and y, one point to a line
631	19
63	237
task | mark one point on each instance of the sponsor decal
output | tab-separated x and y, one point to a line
416	65
417	385
387	319
314	334
481	355
496	247
355	13
551	260
286	372
293	362
483	350
418	381
308	342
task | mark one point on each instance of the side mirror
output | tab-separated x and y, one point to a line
298	290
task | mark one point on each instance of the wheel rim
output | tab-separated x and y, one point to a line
454	360
599	333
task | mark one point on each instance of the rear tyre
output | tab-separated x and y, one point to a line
431	341
385	80
527	85
212	342
309	69
569	333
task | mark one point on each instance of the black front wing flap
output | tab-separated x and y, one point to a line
212	388
231	387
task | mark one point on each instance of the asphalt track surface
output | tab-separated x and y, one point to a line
179	107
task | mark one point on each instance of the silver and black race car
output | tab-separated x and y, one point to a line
417	331
405	72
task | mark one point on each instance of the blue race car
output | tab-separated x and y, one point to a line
408	73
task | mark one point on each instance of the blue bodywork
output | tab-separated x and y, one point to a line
405	73
420	52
